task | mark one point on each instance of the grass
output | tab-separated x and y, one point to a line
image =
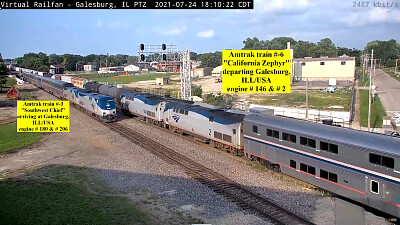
124	79
390	71
10	82
363	80
340	100
11	140
377	111
64	195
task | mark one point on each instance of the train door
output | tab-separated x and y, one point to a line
234	136
375	191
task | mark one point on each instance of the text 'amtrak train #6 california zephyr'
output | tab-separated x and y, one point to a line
360	166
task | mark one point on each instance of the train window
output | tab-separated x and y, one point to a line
211	119
255	129
333	177
234	131
293	164
381	160
186	112
289	137
324	174
181	111
329	147
374	187
311	170
303	167
387	162
218	135
273	133
227	138
308	142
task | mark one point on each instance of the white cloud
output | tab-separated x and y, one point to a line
171	30
99	23
113	24
280	5
373	16
206	34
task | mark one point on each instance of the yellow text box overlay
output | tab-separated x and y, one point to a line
256	71
42	116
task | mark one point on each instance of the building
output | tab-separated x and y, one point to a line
324	68
131	68
201	72
217	71
162	80
114	69
195	63
89	68
56	69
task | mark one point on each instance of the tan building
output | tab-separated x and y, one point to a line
324	68
201	72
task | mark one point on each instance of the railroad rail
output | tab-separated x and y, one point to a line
244	197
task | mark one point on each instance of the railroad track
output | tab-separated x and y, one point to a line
244	197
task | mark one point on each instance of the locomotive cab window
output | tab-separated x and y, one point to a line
374	187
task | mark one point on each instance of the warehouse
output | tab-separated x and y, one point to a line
324	68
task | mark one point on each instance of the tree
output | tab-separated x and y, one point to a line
55	59
131	60
197	90
211	59
3	74
69	62
384	50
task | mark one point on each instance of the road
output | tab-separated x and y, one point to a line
388	89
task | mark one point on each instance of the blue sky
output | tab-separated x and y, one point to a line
121	31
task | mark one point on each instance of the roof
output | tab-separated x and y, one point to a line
378	142
96	95
220	116
54	81
56	66
340	58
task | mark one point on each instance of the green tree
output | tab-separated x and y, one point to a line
384	50
197	90
3	74
211	59
55	59
131	60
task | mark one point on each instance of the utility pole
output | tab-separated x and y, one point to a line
395	68
307	98
370	87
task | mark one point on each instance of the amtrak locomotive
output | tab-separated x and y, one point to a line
96	104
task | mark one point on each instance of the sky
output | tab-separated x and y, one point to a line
114	31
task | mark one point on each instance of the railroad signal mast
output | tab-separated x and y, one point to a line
172	60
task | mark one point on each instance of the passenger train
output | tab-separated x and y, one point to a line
96	104
360	166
